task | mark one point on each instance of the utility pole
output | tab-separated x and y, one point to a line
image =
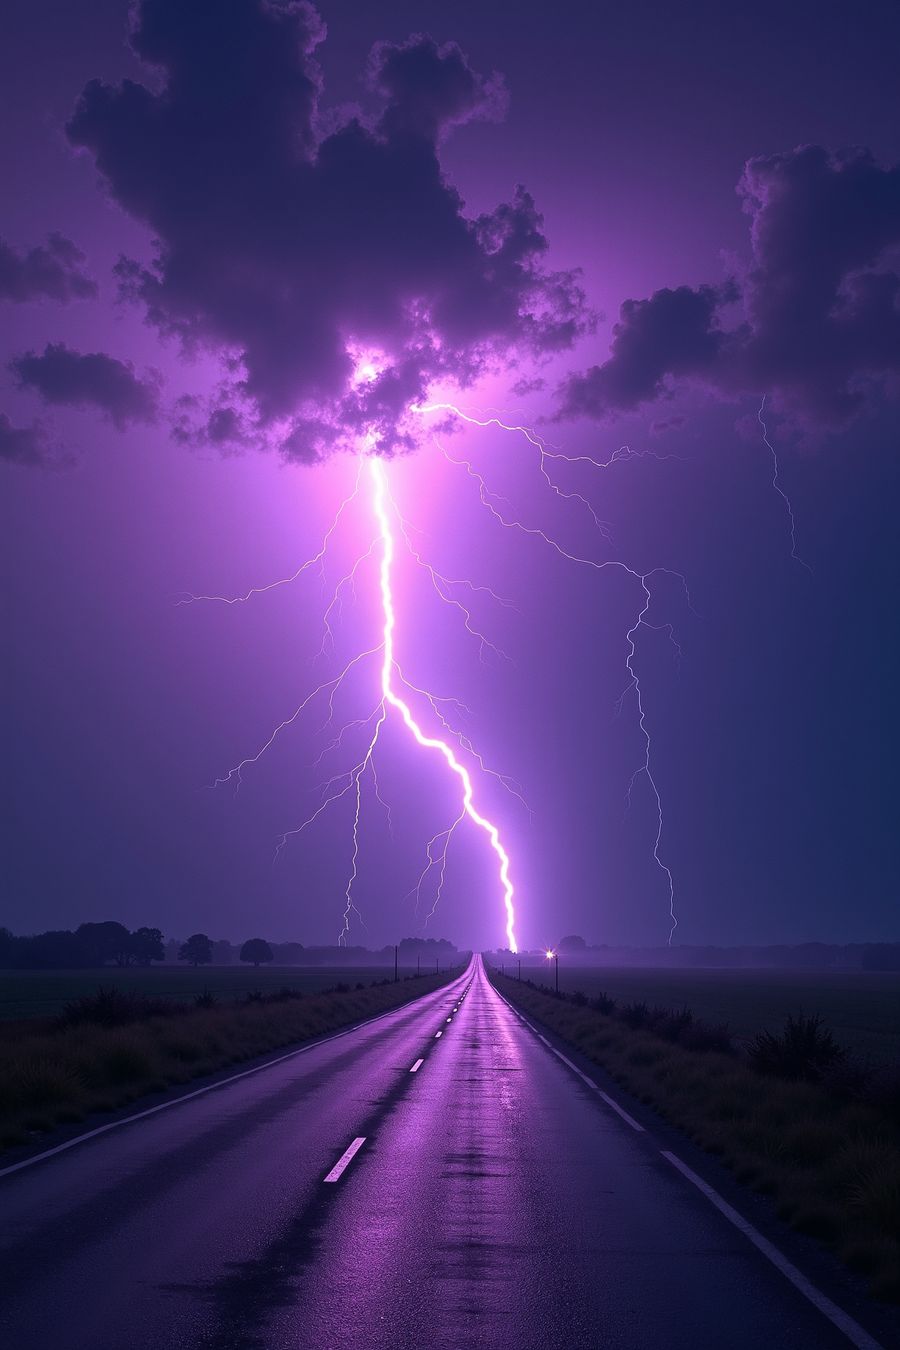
396	975
437	969
418	959
520	968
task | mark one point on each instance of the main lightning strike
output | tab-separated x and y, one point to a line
391	697
394	683
395	687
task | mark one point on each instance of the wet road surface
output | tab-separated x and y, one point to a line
495	1201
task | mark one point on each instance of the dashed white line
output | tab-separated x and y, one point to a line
417	1066
197	1092
843	1321
346	1158
437	1035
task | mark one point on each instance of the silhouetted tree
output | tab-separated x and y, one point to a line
197	950
55	950
146	945
104	942
256	950
7	948
572	943
881	956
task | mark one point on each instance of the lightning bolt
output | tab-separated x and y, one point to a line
380	497
395	689
776	484
494	504
397	692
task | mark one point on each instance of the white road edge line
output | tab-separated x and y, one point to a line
850	1328
610	1102
843	1321
198	1092
417	1066
346	1158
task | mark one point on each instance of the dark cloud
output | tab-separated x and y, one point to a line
527	385
30	446
89	380
301	253
818	321
53	272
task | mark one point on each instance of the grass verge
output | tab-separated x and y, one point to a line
831	1167
58	1073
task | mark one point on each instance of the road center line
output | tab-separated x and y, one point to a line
346	1158
438	1034
200	1092
417	1066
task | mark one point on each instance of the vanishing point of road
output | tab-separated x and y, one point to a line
436	1177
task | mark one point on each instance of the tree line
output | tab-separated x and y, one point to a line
112	944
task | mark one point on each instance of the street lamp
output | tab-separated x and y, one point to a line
553	956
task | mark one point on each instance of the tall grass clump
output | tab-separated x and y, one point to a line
108	1048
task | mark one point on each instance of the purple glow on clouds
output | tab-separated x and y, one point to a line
124	703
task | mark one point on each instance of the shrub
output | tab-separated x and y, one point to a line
205	999
635	1015
603	1003
670	1025
804	1051
706	1036
111	1007
41	1082
125	1062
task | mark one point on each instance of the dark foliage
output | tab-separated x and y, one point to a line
635	1015
110	1007
805	1050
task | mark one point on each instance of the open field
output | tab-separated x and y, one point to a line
861	1007
44	993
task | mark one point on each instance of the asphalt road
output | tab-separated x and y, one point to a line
497	1201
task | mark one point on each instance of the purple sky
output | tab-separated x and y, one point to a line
179	422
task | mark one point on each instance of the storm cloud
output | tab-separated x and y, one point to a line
294	251
54	271
813	321
89	380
